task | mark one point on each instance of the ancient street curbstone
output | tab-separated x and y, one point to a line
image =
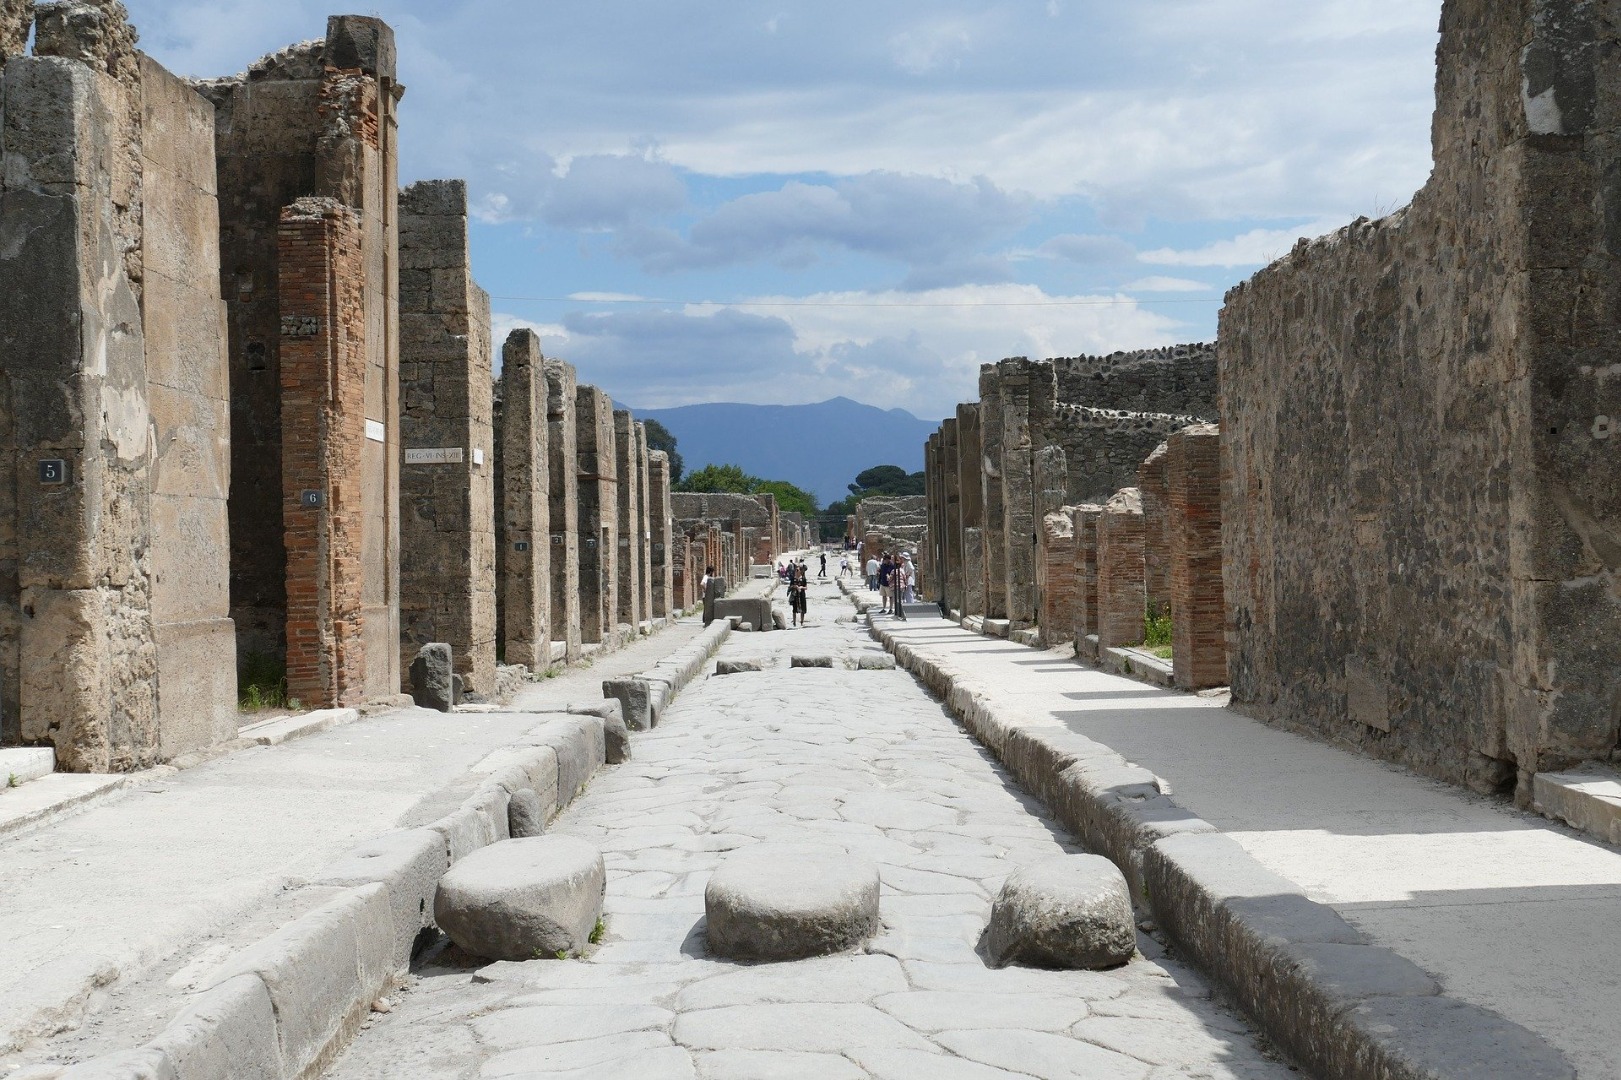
523	899
526	816
227	1031
1069	912
433	683
408	863
787	904
635	698
810	661
735	667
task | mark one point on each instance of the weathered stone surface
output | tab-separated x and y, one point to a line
756	611
433	683
1069	912
786	904
523	899
810	661
734	667
875	662
526	814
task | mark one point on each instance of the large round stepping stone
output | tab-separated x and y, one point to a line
787	904
523	899
1073	911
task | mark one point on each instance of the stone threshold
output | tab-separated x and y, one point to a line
1587	798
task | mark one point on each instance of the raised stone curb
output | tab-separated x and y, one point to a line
284	728
1346	1009
643	697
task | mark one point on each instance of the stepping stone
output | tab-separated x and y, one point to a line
733	667
1073	911
523	899
879	662
810	661
433	682
788	904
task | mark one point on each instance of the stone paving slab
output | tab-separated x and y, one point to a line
862	762
1502	907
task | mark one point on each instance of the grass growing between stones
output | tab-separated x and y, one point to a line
1157	633
261	683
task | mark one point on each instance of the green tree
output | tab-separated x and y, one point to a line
725	478
791	499
659	438
881	477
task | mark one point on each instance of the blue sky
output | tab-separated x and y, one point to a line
696	200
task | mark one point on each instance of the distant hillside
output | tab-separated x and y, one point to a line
820	447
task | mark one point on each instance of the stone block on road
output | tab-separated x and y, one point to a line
788	904
523	899
735	667
810	661
433	682
1073	911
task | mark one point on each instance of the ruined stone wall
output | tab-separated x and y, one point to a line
1103	448
892	523
598	517
1418	430
563	504
524	548
720	506
1180	379
951	583
447	441
115	641
317	119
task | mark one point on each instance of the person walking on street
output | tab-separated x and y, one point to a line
901	581
886	576
824	565
798	587
872	574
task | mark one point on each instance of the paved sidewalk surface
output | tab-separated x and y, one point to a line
1506	909
863	761
162	882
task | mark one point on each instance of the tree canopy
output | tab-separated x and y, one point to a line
879	480
659	438
731	478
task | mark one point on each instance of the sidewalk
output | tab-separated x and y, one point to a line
174	870
1507	910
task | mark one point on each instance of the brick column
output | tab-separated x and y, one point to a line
323	384
1058	584
447	445
628	609
1198	603
1154	481
664	548
563	505
1086	569
525	504
599	517
1121	598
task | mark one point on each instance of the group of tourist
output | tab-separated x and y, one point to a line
797	577
894	578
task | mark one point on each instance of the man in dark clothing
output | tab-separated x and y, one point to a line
824	565
886	570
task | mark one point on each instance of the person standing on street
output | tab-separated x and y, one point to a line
872	574
823	572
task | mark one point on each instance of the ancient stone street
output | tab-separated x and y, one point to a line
862	761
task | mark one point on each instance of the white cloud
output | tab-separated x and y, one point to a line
1254	248
923	49
1165	284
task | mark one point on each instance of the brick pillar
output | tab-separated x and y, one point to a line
1154	481
628	611
643	543
599	517
1198	603
1086	569
1122	601
526	588
664	546
323	383
447	445
1058	583
995	523
563	504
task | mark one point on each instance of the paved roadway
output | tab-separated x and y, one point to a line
863	761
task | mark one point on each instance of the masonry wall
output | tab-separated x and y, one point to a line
1027	392
447	469
598	517
1419	431
1086	517
525	542
563	502
1056	571
1121	600
316	119
1154	481
1104	448
1179	380
1197	601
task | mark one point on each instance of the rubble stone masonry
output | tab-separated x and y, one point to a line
526	544
447	442
1420	429
1180	379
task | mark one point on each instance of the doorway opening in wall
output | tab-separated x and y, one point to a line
1157	632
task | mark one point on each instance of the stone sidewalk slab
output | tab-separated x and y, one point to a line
1503	908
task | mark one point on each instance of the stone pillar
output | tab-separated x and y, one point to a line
1059	587
526	582
599	517
563	503
991	419
643	544
1122	601
1198	603
1154	481
323	383
972	507
951	518
664	546
1027	391
1086	570
629	592
447	485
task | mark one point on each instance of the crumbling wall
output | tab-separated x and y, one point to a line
892	523
447	441
1103	448
1180	379
1421	496
16	20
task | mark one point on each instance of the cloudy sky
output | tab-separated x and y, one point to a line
719	200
